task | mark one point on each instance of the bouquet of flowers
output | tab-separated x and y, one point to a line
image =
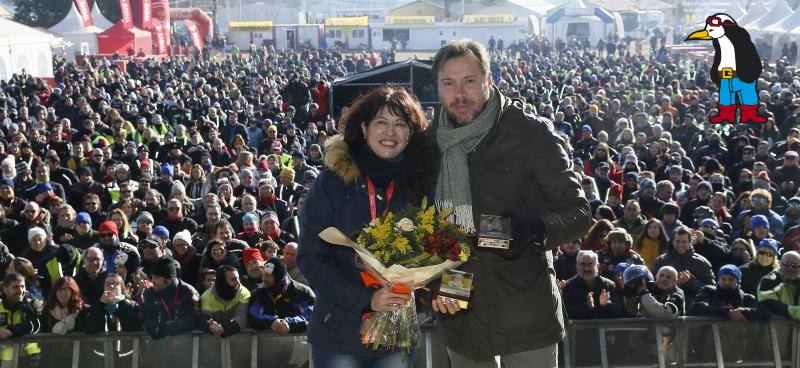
403	250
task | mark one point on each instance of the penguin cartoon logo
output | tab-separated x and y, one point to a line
735	70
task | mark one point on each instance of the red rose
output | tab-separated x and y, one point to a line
453	253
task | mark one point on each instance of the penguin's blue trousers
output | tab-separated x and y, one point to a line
732	89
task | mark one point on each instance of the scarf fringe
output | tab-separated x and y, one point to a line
461	216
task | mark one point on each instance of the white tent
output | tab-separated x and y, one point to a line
99	20
786	25
757	10
780	10
79	39
23	47
576	19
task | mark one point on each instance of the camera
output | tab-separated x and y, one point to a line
635	276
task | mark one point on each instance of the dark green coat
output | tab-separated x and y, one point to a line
520	170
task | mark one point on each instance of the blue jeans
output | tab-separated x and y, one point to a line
327	359
729	89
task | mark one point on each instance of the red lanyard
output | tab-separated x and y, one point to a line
373	208
174	301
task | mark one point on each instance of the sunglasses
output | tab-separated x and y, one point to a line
174	208
740	250
218	250
717	21
145	222
765	253
148	246
107	235
758	200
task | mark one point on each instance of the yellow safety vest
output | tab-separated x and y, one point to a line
9	318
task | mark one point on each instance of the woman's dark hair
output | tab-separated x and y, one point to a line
420	151
606	213
76	301
663	239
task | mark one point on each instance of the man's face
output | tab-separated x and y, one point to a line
463	89
270	226
681	242
14	292
232	278
587	268
269	280
31	211
290	256
209	280
93	262
728	282
631	212
254	268
160	282
618	248
108	238
666	279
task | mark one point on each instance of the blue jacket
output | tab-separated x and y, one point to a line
338	199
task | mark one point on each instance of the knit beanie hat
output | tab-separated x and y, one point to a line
36	231
108	226
166	267
731	271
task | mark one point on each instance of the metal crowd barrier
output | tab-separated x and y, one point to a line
680	342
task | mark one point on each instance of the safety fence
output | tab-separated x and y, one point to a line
681	342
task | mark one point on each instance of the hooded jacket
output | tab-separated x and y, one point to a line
717	302
339	199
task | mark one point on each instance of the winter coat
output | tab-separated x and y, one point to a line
715	303
178	314
691	261
339	199
294	304
516	305
575	299
752	273
781	297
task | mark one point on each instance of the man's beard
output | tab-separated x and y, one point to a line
587	275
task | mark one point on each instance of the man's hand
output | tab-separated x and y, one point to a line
444	304
561	284
589	301
736	315
698	237
684	277
605	297
215	328
280	326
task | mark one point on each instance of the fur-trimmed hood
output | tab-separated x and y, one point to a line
340	160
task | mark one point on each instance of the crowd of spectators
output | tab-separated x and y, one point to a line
164	195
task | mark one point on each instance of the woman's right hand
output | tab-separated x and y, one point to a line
384	300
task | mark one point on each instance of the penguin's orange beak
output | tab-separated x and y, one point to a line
699	35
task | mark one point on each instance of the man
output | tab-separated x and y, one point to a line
151	249
290	260
565	264
51	260
268	201
91	277
551	211
224	305
711	244
282	305
618	250
589	295
694	271
632	220
778	289
727	300
650	204
111	246
176	221
171	306
20	313
254	268
660	299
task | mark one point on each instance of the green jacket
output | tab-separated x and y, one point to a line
520	170
781	297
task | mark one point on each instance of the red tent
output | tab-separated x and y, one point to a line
118	39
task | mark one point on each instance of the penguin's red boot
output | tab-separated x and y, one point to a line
727	114
750	114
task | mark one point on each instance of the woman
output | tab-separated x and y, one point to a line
718	205
766	261
601	154
217	255
63	307
741	204
126	235
198	186
186	254
595	237
742	252
25	267
382	162
653	243
315	156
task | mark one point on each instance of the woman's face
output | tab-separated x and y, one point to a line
218	252
197	172
117	219
744	204
387	134
64	294
225	191
740	251
717	202
761	232
180	246
653	231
